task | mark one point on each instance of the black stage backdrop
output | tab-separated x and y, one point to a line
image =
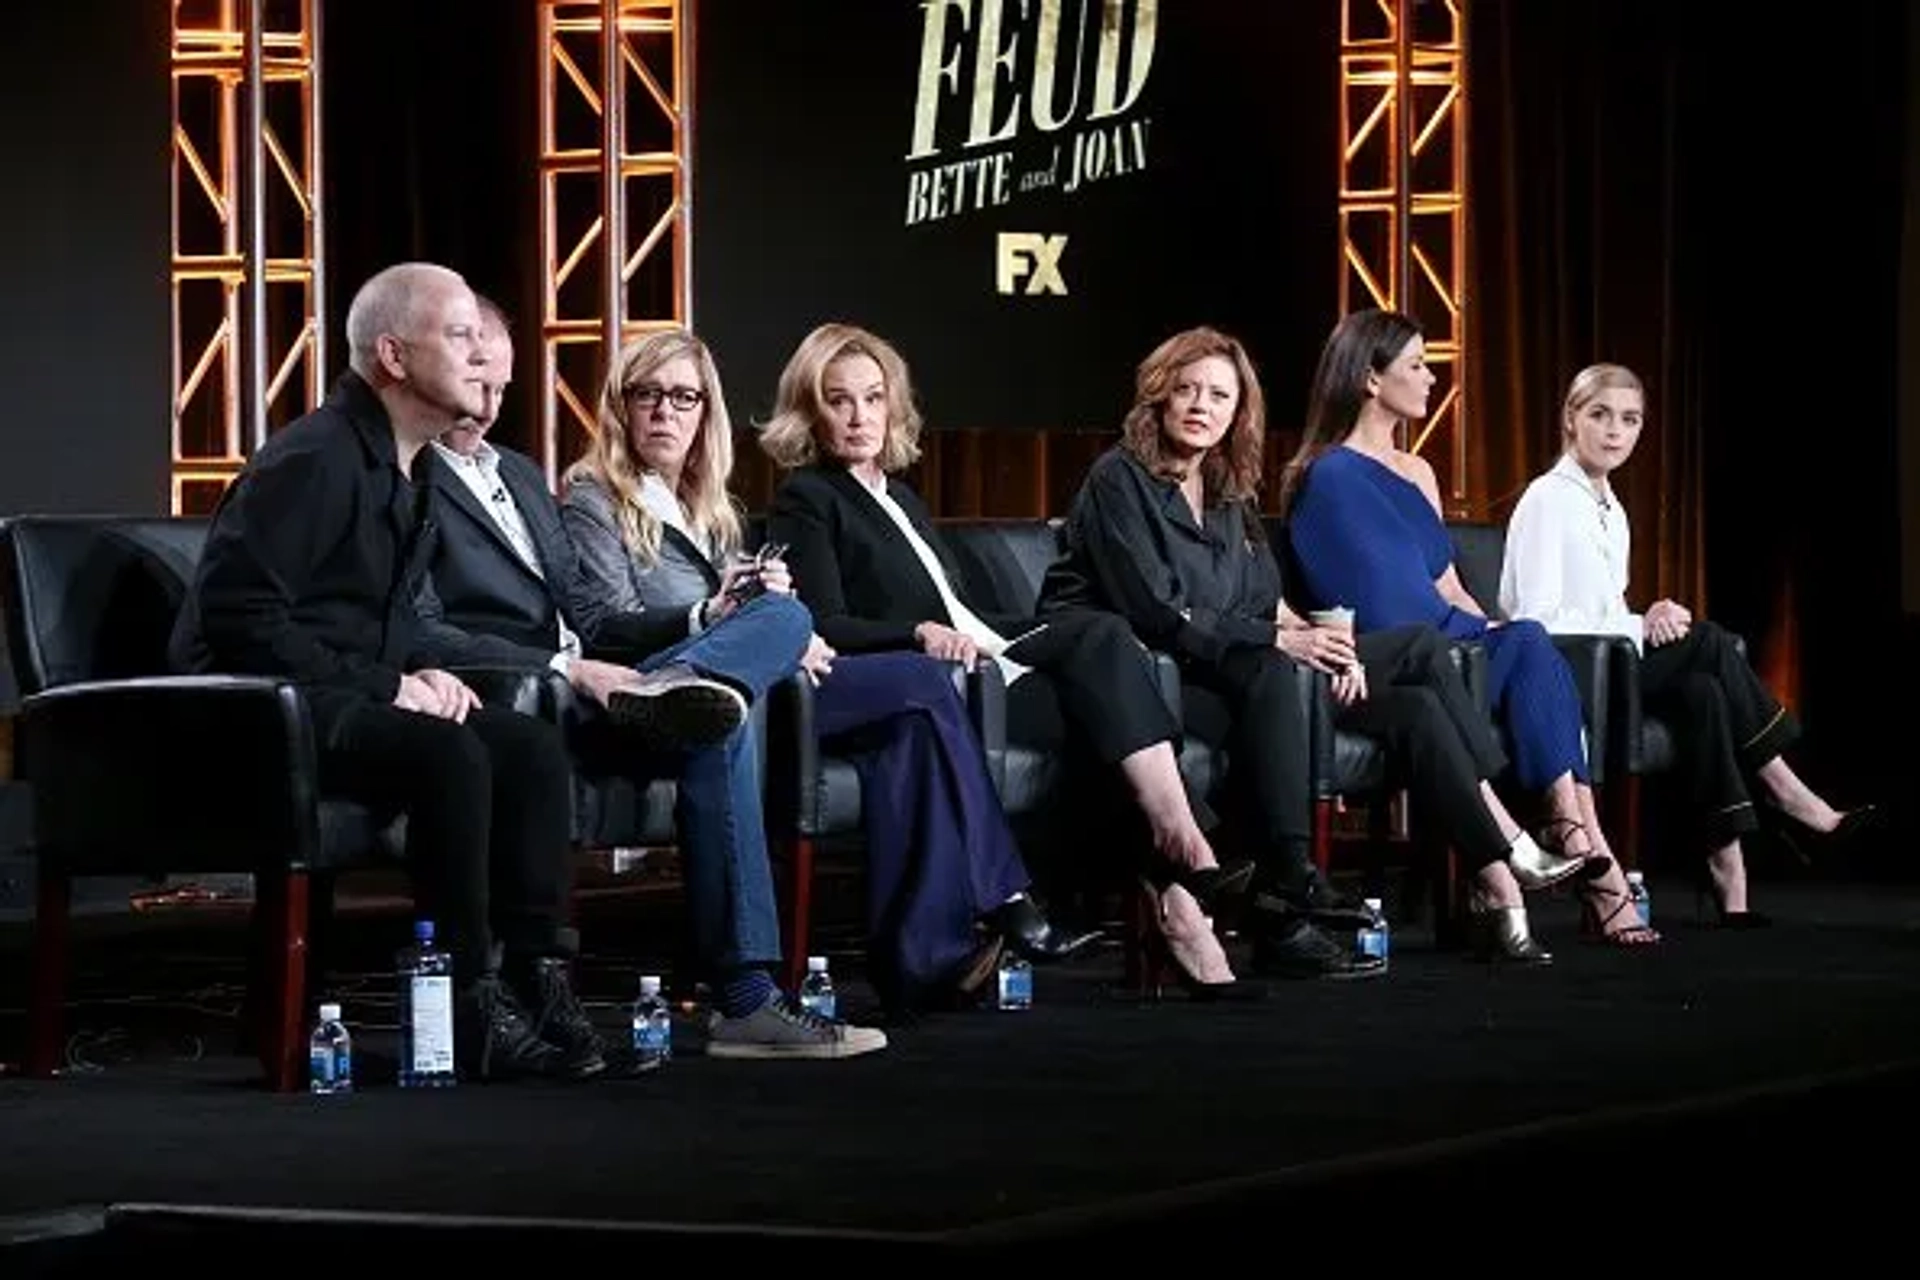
838	178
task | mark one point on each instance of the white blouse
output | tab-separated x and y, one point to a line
1568	551
965	621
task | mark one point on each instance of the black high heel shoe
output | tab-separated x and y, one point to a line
1809	844
1709	909
1160	960
1212	887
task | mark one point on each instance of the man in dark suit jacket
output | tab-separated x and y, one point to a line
505	586
310	572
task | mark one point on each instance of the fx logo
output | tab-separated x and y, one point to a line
1022	253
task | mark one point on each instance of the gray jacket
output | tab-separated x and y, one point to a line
679	580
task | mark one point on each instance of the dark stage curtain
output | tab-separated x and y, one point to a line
1711	196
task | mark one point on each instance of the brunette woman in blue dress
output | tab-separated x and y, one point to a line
1366	531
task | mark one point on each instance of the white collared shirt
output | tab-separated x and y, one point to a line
658	497
481	474
965	621
1568	552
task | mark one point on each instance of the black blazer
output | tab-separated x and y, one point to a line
853	567
481	603
312	561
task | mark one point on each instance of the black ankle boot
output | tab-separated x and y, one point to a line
1305	892
493	1038
545	985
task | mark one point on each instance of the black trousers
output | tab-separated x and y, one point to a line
1725	725
1440	745
489	818
1091	685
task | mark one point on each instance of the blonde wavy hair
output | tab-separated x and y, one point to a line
702	490
1231	470
791	436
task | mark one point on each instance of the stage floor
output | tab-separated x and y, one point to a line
1090	1102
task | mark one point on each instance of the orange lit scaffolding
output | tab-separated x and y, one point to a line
1403	198
249	334
616	194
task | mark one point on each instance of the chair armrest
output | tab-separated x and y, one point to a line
534	691
985	691
1610	726
171	773
1470	660
1166	678
792	775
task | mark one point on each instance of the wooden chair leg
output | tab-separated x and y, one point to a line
281	906
1145	971
1323	833
1449	898
52	940
799	908
1373	869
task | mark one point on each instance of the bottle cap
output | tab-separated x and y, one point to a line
1371	904
423	930
816	964
329	1013
650	984
1636	877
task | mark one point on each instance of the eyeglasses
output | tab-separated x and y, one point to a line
681	398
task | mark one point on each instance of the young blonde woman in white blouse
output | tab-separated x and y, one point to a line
1567	554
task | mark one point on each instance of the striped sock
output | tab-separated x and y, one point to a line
745	992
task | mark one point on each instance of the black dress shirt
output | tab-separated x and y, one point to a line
1193	589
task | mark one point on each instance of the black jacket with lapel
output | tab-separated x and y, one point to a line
853	567
482	603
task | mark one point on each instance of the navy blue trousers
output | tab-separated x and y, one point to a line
939	851
1534	698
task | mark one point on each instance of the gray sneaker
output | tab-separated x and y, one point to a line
781	1029
676	708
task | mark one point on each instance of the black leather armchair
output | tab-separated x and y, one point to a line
137	771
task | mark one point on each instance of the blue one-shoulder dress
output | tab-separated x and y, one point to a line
1366	537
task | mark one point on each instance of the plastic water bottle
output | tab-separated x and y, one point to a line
816	989
652	1027
1013	982
1642	900
330	1054
426	1012
1373	940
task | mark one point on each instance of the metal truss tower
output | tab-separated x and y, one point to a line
249	334
616	193
1403	199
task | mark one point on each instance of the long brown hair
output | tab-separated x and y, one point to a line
1364	343
1231	470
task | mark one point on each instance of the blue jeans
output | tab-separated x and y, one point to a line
723	831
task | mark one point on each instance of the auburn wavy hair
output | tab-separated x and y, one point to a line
1231	470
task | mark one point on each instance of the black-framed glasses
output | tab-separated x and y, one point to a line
681	398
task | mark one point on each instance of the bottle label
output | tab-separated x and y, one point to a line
652	1039
320	1065
820	1003
1372	943
1016	988
431	1035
